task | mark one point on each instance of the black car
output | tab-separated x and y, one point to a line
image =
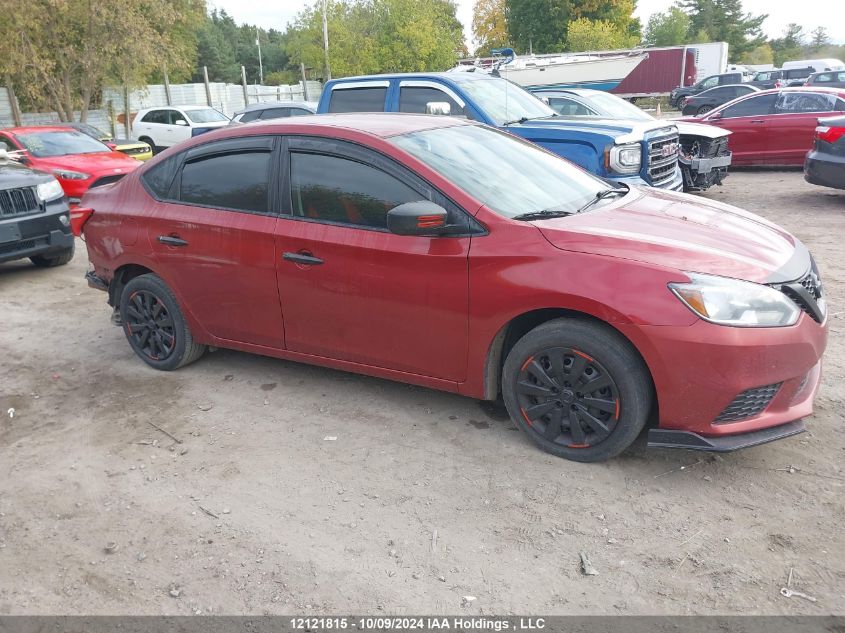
34	216
825	163
767	79
705	84
713	98
827	79
796	76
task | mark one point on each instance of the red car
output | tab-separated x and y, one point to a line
443	253
78	161
774	127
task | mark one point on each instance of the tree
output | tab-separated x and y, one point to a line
790	46
819	38
489	26
667	29
761	55
724	21
593	35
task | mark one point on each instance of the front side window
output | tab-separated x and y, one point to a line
483	162
300	112
60	143
274	113
799	102
753	106
568	107
710	82
246	117
341	190
414	99
358	99
233	180
617	108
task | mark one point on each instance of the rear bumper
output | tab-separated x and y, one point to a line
667	438
825	170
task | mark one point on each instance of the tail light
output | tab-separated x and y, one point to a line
778	84
78	217
829	133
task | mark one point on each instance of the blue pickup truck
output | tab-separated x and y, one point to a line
639	153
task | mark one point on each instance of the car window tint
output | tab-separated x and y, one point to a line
300	112
719	93
797	102
358	100
159	177
155	116
568	107
250	116
274	113
175	116
235	180
414	98
340	190
753	106
710	82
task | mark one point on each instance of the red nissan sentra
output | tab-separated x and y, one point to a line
440	252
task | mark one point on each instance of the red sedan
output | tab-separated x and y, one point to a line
443	253
75	159
774	127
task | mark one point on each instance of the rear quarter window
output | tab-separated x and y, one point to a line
159	177
358	99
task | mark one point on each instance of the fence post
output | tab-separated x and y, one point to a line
167	88
126	109
304	82
243	83
207	87
13	102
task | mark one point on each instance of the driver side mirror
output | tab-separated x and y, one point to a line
180	122
715	116
422	218
438	107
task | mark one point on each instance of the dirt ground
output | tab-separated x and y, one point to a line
423	497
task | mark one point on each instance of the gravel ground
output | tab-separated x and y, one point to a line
242	503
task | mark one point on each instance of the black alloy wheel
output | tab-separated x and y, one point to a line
150	326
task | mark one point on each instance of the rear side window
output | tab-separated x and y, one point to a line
250	116
797	102
344	191
300	112
753	106
234	180
159	177
358	99
274	113
414	98
156	116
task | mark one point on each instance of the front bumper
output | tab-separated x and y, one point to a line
676	184
826	170
668	438
43	233
699	371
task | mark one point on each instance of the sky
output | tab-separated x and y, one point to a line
829	13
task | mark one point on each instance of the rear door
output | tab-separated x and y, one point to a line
353	291
213	236
793	123
359	96
748	121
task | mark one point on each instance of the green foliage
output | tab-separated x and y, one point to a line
595	35
376	36
790	46
725	21
489	26
667	29
760	55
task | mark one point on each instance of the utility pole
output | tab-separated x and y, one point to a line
260	65
326	39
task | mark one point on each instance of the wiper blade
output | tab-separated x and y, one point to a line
544	214
520	120
525	119
601	195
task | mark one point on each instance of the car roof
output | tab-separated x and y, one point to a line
38	128
457	76
750	87
379	124
268	105
581	92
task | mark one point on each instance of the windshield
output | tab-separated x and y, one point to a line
617	108
92	131
504	101
510	176
209	115
45	144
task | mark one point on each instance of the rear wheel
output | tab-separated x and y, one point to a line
578	389
50	261
155	326
703	109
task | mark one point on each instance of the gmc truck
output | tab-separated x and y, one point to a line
634	153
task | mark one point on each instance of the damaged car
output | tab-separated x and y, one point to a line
703	155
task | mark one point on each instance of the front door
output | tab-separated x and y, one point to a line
351	290
214	239
748	120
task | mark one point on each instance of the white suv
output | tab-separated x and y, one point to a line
166	126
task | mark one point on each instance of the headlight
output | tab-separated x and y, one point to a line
71	175
733	302
49	190
625	159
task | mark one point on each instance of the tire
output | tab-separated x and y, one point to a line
704	109
61	259
149	141
609	416
155	326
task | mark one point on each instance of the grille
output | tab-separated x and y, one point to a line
748	404
812	301
662	159
23	245
14	202
106	180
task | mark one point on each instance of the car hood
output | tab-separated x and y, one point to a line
622	131
685	128
14	175
678	231
97	164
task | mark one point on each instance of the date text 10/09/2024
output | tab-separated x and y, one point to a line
383	623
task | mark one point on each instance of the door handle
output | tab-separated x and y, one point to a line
302	258
172	240
758	120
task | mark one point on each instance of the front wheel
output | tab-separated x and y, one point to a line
578	389
61	259
155	326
